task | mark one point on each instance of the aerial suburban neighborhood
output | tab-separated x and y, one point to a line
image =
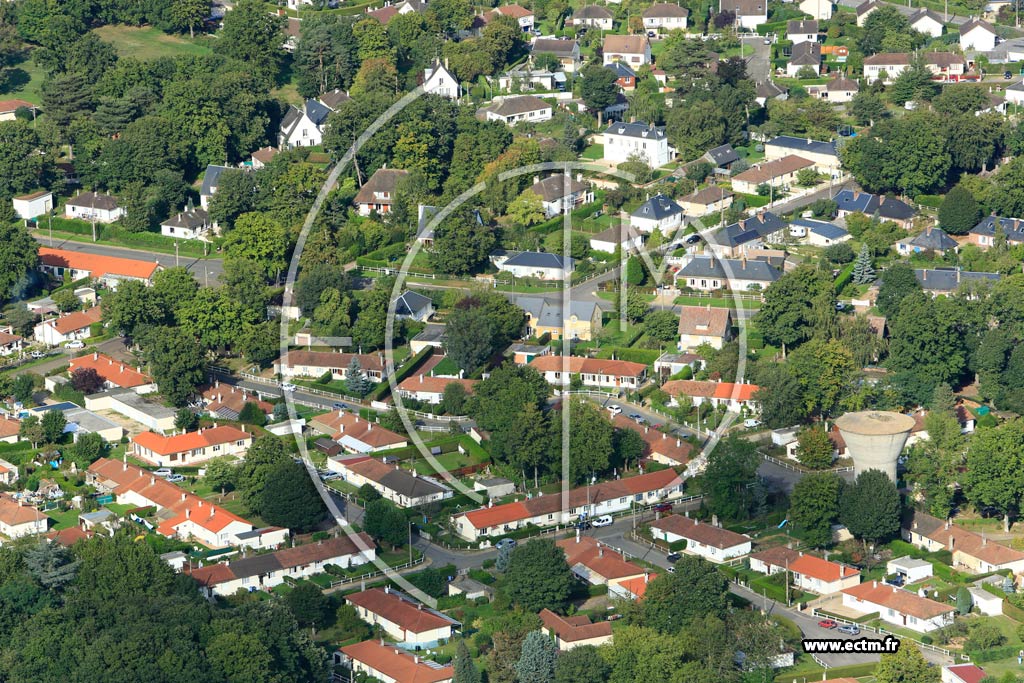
428	341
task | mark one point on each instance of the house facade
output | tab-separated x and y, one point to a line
108	270
561	194
67	327
897	606
647	142
662	17
733	396
378	193
545	317
538	264
114	373
298	363
594	372
709	541
822	153
18	520
355	434
404	488
187	449
517	109
406	621
94	207
660	213
634	50
704	325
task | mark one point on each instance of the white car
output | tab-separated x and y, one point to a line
751	423
288	386
38	354
604	520
614	410
163	472
76	344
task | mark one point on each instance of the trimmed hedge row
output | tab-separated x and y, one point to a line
384	388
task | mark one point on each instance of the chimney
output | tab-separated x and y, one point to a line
421	378
216	384
714	520
874	584
152	481
183	496
188	513
416	658
679	442
600	551
951	542
387	589
647	577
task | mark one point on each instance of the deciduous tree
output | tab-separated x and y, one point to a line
871	507
814	506
538	577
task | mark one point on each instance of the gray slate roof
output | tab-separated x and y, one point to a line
94	200
822	228
549	313
948	280
803	144
722	155
806	54
211	177
800	26
873	205
191	219
935	239
725	269
410	303
557	47
758	226
513	106
552	188
317	111
658	207
638	129
1012	227
665	9
540	259
592	12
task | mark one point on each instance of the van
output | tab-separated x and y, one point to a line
604	520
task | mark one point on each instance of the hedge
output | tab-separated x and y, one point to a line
993	654
382	389
645	356
845	277
852	671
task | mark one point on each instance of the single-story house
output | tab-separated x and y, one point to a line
910	569
406	621
593	16
988	604
297	363
17	520
115	374
734	396
747	234
572	632
748	13
592	561
538	264
823	154
707	274
404	488
658	445
386	663
820	233
897	606
938	282
594	372
523	16
108	269
566	51
517	109
153	416
94	207
430	389
709	541
615	237
963	673
971	551
190	448
191	224
712	199
931	241
560	194
777	173
471	588
878	206
721	157
67	327
413	306
356	434
8	471
9	109
983	235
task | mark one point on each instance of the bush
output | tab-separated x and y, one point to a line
325	378
983	635
926	639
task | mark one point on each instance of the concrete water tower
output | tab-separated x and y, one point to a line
875	439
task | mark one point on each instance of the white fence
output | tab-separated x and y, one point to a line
883	632
796	468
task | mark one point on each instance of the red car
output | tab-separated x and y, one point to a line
827	623
663	507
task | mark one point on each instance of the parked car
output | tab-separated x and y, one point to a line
603	520
614	410
505	544
851	629
673	557
583	525
751	423
75	344
163	472
671	569
37	354
827	623
693	239
652	34
288	386
338	406
176	478
663	507
1007	75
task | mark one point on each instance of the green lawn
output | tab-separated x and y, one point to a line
726	301
25	81
64	520
594	152
148	42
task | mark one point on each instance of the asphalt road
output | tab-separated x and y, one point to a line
207	271
759	63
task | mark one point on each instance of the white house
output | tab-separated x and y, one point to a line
614	237
387	663
988	604
806	55
733	396
897	606
299	363
430	389
709	541
659	213
523	16
378	193
35	204
710	325
189	448
963	673
802	31
17	520
355	434
115	374
191	224
211	179
634	50
513	110
822	153
303	127
68	327
438	80
404	488
663	16
409	623
567	52
538	264
978	36
647	142
561	194
749	13
819	9
109	270
593	16
413	306
927	22
910	569
594	372
94	207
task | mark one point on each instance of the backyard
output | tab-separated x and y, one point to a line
147	42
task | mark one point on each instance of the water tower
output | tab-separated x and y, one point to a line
875	439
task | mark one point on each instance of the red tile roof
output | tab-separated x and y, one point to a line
590	366
638	586
571	630
68	537
76	321
694	530
213	574
408	615
779	556
400	666
181	443
13	514
898	599
818	568
595	556
514	11
658	443
342	422
233	398
115	372
968	673
97	266
330	359
708	389
9	427
13	105
434	385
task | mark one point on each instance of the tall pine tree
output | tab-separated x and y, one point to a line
863	270
356	380
465	669
537	661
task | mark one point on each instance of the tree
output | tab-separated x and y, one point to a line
924	342
221	474
265	454
175	362
355	379
780	395
871	507
87	449
696	589
598	88
906	665
66	301
959	211
662	325
189	14
253	36
86	380
508	385
863	270
995	458
186	420
132	308
537	661
731	466
31	430
963	601
18	254
368	494
236	195
636	306
786	318
252	414
581	665
527	209
840	252
866	108
260	241
469	335
590	440
465	669
898	281
308	604
526	442
814	449
538	576
385	522
53	424
814	506
290	499
696	128
314	281
462	243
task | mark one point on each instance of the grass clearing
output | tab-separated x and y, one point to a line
25	81
147	42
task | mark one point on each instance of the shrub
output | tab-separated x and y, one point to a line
325	378
983	635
